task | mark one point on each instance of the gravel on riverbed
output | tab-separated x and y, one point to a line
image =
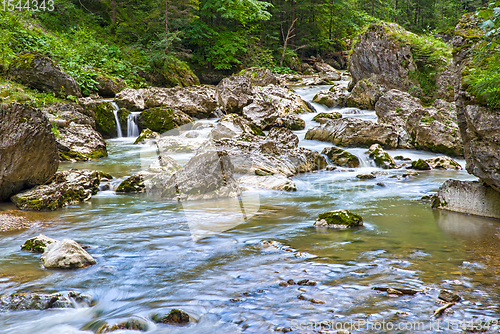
9	222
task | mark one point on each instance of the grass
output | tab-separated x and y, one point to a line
14	92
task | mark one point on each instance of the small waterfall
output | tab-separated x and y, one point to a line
117	120
364	161
132	127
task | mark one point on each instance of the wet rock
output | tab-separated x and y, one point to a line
324	115
262	114
234	93
133	184
397	291
354	132
283	283
274	182
382	158
306	282
39	71
233	125
259	76
284	137
327	72
146	135
366	176
174	317
66	254
316	301
336	98
448	296
80	142
341	157
28	150
131	324
340	219
290	121
37	244
67	188
443	162
290	282
468	197
41	301
331	168
401	158
420	164
162	119
365	95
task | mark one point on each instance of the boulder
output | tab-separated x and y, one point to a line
366	176
208	175
105	118
130	324
42	301
323	117
233	125
234	93
262	114
350	131
443	162
146	135
37	244
382	158
131	99
342	219
133	184
378	53
290	121
365	94
80	142
174	317
39	71
67	188
28	151
273	182
394	107
341	157
420	164
470	197
327	72
336	98
283	137
107	85
161	119
285	100
61	114
260	76
66	254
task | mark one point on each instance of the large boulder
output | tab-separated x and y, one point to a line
234	93
162	119
131	99
395	106
365	94
260	76
67	188
66	254
327	72
28	151
39	71
262	114
350	131
470	197
80	142
109	86
332	98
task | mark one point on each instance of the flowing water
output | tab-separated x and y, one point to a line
132	126
148	261
117	120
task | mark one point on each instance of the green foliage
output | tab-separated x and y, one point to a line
55	130
491	23
483	79
14	92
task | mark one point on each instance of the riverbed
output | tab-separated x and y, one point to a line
152	259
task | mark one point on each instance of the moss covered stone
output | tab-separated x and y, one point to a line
26	60
37	244
420	164
105	120
175	317
339	219
382	158
332	115
341	157
162	119
133	184
146	134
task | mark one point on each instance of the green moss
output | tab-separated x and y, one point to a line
105	120
160	119
420	164
25	60
427	119
341	217
437	203
333	115
97	154
256	130
35	246
132	184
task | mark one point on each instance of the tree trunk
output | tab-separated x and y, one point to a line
166	26
113	16
290	30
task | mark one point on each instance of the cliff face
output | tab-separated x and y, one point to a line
479	123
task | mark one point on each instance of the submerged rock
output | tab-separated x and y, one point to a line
174	317
131	324
366	176
28	150
338	219
382	158
66	254
42	301
469	197
448	296
67	188
341	157
37	244
274	182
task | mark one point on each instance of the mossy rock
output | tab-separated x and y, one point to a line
420	164
178	73
105	120
37	244
382	158
332	115
339	219
162	119
133	184
341	157
174	317
146	134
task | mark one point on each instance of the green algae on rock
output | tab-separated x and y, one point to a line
340	219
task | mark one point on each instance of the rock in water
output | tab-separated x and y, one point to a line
382	158
420	164
28	151
341	219
162	119
39	71
365	94
341	157
469	197
443	162
80	142
68	187
66	254
42	301
274	182
37	244
175	317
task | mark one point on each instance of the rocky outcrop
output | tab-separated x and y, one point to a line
67	187
80	142
273	182
233	125
42	301
327	72
161	119
37	244
259	76
365	94
382	158
395	106
28	151
350	131
262	114
290	121
332	98
469	197
66	254
341	219
234	93
39	71
341	157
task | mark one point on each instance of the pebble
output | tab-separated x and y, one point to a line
10	222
